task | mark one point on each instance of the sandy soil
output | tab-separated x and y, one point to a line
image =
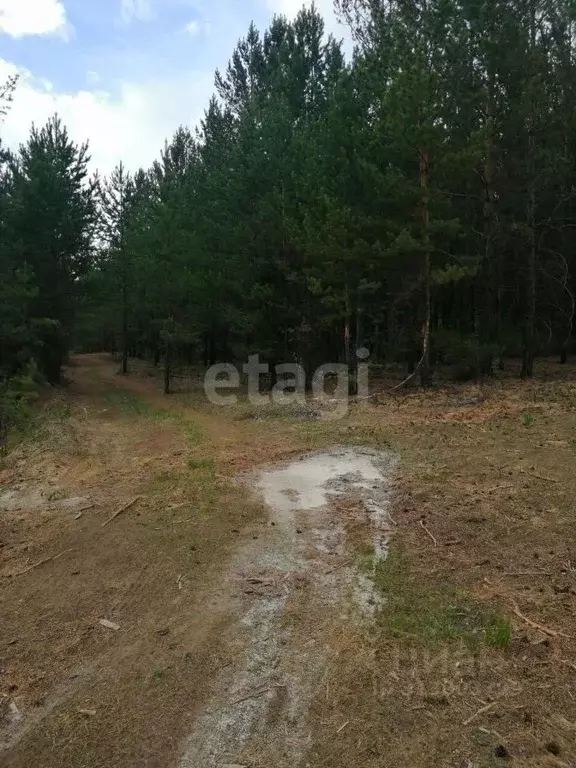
260	709
238	611
126	644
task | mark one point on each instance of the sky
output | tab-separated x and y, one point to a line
124	74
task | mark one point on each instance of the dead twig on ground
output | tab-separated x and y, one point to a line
481	711
121	510
41	562
423	526
535	625
539	477
109	624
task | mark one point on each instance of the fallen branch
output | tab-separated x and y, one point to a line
121	510
481	711
539	627
429	533
492	733
412	376
41	562
540	477
109	624
343	726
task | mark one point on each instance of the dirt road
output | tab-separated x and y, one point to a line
184	586
194	627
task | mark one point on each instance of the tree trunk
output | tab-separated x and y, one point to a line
530	283
206	355
359	322
212	345
425	367
273	373
347	328
348	345
124	332
167	366
124	263
490	330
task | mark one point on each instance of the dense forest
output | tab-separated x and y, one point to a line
419	200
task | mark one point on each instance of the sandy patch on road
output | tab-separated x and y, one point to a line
299	580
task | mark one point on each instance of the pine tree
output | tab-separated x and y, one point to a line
52	225
418	200
115	201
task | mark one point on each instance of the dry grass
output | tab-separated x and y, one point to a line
450	676
148	571
488	471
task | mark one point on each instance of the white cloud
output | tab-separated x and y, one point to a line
19	18
136	9
130	125
195	28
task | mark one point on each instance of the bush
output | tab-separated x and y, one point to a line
15	397
466	356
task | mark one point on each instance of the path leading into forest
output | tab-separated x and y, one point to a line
300	578
194	628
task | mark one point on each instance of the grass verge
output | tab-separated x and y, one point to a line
428	614
131	404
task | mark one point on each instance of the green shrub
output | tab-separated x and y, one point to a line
467	357
16	395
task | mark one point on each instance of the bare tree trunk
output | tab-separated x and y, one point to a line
124	263
530	313
347	328
359	322
358	343
491	320
167	366
425	367
351	360
530	289
124	325
565	348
